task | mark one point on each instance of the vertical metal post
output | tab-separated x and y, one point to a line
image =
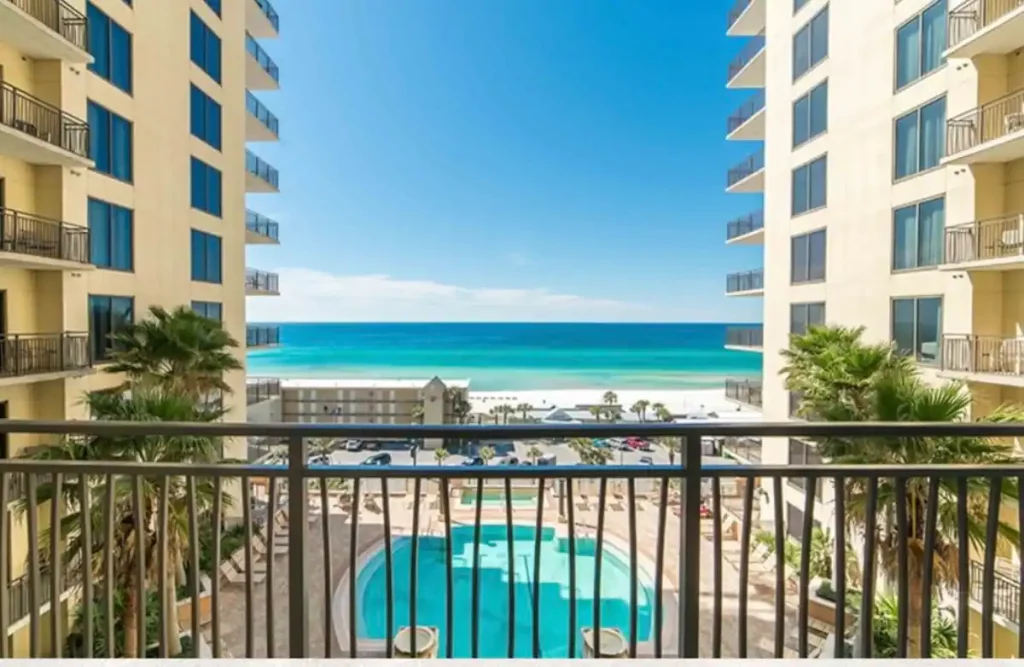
689	549
298	604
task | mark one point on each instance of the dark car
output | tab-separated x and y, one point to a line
473	461
381	459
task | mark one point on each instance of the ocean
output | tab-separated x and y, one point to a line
511	356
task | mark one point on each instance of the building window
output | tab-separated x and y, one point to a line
917	327
210	309
110	236
804	454
808	258
206	257
810	44
107	316
810	114
798	5
810	185
204	46
803	316
917	234
920	43
920	139
110	142
206	116
110	45
206	188
214	5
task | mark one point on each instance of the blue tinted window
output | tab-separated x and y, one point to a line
214	5
206	187
210	309
206	123
918	234
110	142
920	43
204	47
110	232
206	257
810	186
920	139
810	114
107	316
810	44
110	45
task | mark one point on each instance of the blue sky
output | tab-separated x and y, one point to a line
503	160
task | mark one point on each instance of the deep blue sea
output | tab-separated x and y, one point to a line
512	356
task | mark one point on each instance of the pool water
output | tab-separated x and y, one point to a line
494	578
496	498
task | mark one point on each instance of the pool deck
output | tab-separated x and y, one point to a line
233	609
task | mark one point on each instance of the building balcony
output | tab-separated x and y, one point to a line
37	357
748	68
1005	591
986	245
747	18
45	30
747	176
260	70
259	176
652	532
40	133
746	283
258	390
260	230
746	392
743	449
990	359
260	283
260	124
32	242
262	336
745	338
985	27
261	21
20	597
993	132
748	230
747	122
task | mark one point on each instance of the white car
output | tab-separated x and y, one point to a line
353	445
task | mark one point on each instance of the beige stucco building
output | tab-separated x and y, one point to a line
123	151
890	161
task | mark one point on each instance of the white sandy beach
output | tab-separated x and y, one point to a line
676	400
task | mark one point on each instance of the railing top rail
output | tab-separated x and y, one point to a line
967	115
70	226
751	272
967	226
74	120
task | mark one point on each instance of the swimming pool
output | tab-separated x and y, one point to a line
496	498
494	577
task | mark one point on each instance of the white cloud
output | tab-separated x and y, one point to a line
316	296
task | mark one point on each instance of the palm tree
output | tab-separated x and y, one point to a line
588	453
179	350
612	414
673	446
656	408
610	398
844	379
596	411
318	447
524	409
534	453
142	404
460	407
662	413
416	414
505	410
642	405
440	454
486	453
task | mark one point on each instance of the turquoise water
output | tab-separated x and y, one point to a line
512	356
494	577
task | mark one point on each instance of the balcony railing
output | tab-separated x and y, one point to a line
262	114
745	225
35	354
260	280
27	234
974	16
262	336
745	336
422	553
257	52
45	122
258	390
261	225
753	46
983	354
21	601
746	111
747	449
1005	591
256	166
58	16
748	167
995	120
746	281
997	238
747	392
268	11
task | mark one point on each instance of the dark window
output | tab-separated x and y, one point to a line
206	188
798	4
810	114
206	118
917	327
920	139
810	186
214	5
110	142
917	234
210	309
808	260
206	257
110	45
107	315
803	316
204	47
810	44
804	454
111	235
920	43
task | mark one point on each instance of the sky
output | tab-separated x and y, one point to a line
508	160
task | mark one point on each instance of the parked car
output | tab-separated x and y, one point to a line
473	461
381	459
638	443
372	445
646	460
601	443
508	461
547	460
353	445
